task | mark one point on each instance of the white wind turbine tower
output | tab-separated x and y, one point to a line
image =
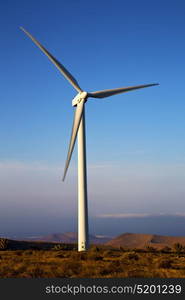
79	127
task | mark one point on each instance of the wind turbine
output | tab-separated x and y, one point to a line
79	128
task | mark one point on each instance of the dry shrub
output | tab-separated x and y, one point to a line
165	249
60	255
3	244
94	256
112	267
18	252
35	271
139	250
138	273
111	253
28	252
90	269
19	270
59	247
6	271
79	256
131	256
94	249
71	267
151	249
122	249
165	263
82	255
149	259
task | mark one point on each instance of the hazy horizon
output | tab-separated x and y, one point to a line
159	225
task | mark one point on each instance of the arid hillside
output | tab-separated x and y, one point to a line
138	240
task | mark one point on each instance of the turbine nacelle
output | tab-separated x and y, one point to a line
79	97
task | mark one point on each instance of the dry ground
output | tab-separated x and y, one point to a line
97	262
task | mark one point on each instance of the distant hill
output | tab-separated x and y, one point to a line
126	240
138	240
70	237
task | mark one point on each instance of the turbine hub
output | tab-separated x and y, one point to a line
79	97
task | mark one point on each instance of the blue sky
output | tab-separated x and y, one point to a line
135	141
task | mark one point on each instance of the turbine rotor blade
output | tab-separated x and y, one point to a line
108	93
76	123
61	68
